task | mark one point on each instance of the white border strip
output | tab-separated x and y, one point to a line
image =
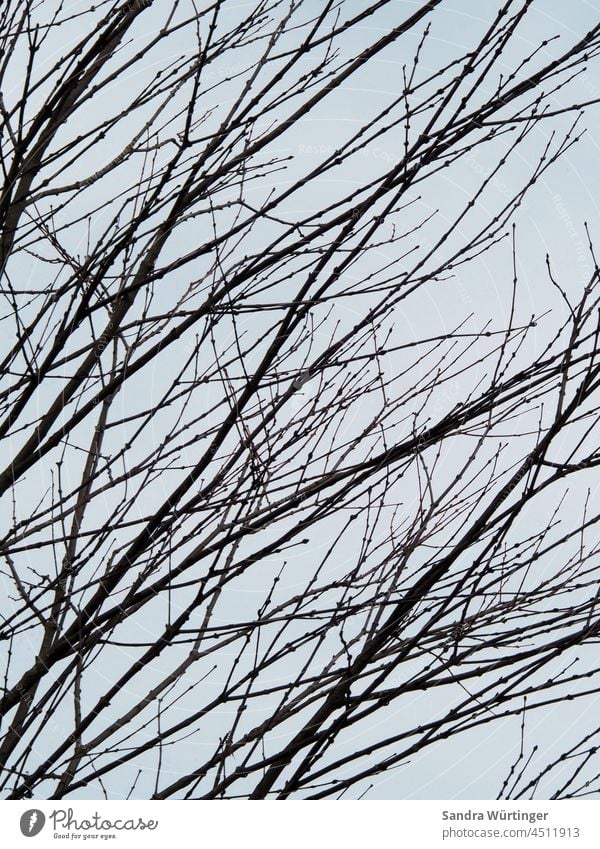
310	825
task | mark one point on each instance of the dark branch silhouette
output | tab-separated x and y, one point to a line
282	509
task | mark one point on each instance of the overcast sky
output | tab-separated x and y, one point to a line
550	220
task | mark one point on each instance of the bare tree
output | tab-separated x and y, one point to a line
272	528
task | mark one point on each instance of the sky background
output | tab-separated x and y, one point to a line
550	221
